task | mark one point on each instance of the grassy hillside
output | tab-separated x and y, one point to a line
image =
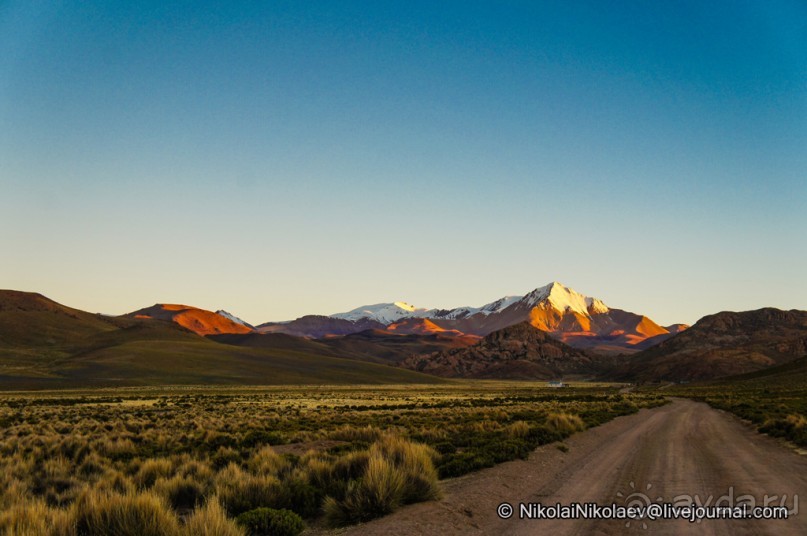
34	327
46	345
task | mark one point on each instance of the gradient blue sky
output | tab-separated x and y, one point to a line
283	158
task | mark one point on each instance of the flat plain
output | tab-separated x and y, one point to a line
169	460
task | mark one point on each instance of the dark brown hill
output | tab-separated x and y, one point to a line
721	345
318	326
392	347
30	321
515	352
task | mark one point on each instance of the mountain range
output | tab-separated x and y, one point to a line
577	320
550	332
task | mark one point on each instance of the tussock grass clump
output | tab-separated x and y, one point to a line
397	472
379	492
518	430
331	475
797	421
29	519
181	492
91	467
266	461
152	469
224	456
13	491
199	471
114	481
211	520
140	514
565	423
119	449
240	491
416	462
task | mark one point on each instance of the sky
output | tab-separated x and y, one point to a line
277	159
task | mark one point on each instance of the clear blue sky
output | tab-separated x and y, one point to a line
282	158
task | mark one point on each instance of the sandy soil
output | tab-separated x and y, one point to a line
684	448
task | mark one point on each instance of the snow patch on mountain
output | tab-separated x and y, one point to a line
229	316
386	313
499	305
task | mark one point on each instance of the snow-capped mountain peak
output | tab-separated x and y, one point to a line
386	313
553	295
405	306
564	299
229	316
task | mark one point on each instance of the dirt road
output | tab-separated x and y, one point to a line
684	448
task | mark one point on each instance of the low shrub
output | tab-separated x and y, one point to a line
271	522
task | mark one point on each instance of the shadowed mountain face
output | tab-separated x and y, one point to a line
516	352
721	345
317	326
31	321
577	320
396	347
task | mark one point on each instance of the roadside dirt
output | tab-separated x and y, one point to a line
683	449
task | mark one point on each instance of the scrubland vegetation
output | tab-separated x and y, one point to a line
265	461
775	401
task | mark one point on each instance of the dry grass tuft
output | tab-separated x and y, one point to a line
211	520
566	423
397	472
151	470
265	461
240	491
141	514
